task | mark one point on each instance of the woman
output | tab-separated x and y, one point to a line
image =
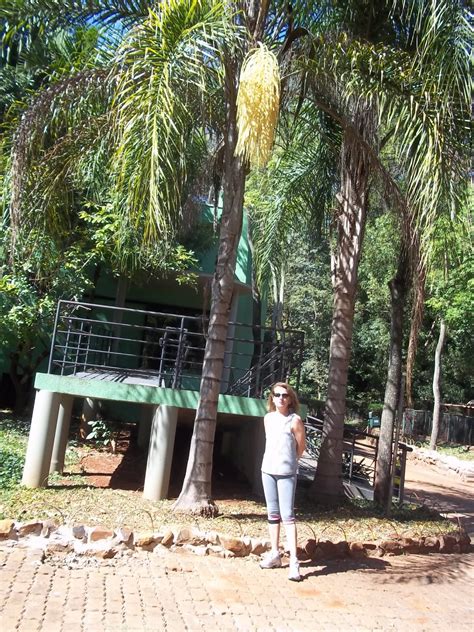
285	443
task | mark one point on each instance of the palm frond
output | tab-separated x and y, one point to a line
421	101
163	75
56	109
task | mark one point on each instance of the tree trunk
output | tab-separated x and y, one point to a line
437	385
398	290
195	496
327	486
418	311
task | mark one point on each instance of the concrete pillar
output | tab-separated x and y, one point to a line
258	444
160	452
41	438
144	425
62	433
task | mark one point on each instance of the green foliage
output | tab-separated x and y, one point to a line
308	306
102	433
29	290
368	368
12	452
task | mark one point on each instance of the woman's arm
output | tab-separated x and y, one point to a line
297	427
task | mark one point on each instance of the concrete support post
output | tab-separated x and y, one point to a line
144	425
40	441
62	433
258	443
160	452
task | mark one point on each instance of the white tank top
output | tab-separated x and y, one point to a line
280	448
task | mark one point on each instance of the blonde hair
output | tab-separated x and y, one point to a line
293	405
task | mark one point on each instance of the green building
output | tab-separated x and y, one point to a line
138	350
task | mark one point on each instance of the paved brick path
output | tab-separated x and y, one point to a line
180	591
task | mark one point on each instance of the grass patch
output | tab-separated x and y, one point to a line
71	499
13	438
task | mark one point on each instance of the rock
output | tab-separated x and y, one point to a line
147	540
183	536
79	532
49	526
357	550
310	547
447	543
32	527
100	549
212	537
99	533
411	545
391	547
201	549
361	549
257	547
7	529
58	547
464	542
168	538
190	536
430	543
341	549
235	545
325	550
215	550
124	535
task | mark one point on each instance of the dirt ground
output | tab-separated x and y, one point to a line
445	492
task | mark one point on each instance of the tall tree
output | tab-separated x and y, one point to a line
423	150
398	291
173	66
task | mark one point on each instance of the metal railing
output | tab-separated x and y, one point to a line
168	349
359	457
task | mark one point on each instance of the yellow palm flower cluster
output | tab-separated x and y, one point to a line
258	103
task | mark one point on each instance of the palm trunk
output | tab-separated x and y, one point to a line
327	486
398	289
436	385
195	496
196	493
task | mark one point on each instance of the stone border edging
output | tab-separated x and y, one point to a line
101	542
445	463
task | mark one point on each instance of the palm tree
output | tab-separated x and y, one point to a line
406	97
181	54
384	77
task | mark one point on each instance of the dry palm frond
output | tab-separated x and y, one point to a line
257	105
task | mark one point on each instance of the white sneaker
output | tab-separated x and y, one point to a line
294	572
271	560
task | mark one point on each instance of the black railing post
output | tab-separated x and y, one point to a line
86	355
179	351
66	345
53	339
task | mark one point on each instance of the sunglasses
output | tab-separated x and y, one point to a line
283	395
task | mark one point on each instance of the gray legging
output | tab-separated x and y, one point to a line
280	497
